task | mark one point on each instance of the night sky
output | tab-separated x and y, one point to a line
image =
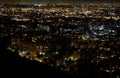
58	1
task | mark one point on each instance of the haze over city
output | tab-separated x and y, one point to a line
59	1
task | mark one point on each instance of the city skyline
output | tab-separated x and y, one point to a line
81	39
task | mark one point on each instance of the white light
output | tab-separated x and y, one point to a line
25	34
107	70
56	52
113	30
24	52
118	77
41	53
119	57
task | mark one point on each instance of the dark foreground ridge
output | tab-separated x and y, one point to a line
13	63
